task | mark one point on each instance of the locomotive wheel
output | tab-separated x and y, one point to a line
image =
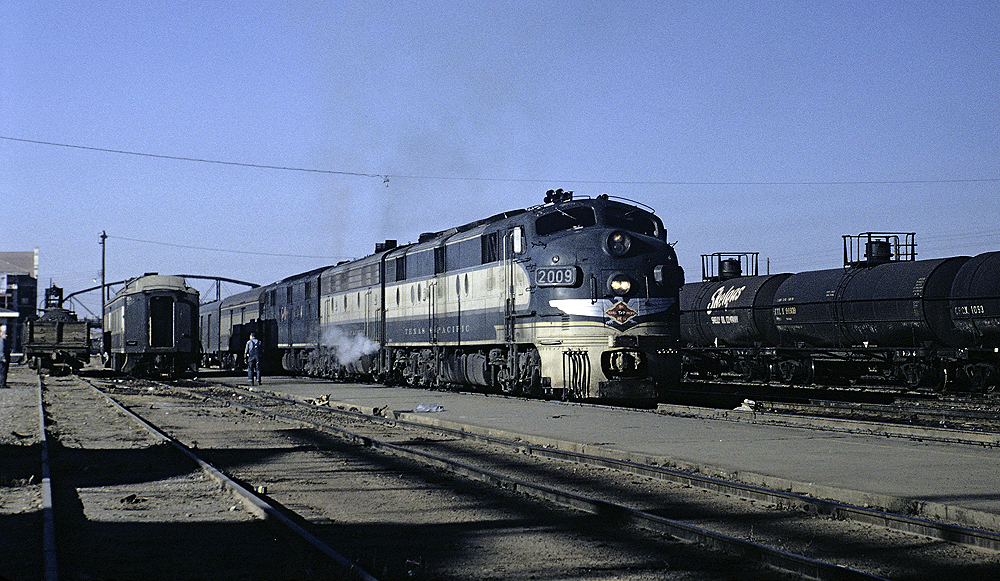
535	383
507	383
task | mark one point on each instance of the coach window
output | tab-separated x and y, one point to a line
401	268
466	284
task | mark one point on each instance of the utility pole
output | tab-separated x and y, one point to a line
104	236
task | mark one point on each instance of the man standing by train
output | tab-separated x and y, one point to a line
4	356
252	356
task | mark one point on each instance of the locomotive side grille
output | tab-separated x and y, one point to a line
576	372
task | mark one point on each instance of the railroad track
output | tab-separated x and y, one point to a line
920	422
120	500
750	525
409	519
967	416
947	418
763	525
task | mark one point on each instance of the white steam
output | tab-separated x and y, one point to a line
348	348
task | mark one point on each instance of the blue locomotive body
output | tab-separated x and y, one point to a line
574	299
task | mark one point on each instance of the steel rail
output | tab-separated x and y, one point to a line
784	561
890	520
838	424
258	506
49	555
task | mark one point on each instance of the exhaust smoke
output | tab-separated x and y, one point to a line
348	348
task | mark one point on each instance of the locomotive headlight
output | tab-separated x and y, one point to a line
621	285
619	243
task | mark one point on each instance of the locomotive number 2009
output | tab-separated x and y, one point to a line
556	276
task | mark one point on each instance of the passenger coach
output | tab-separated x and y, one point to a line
151	327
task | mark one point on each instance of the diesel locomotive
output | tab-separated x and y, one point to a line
576	298
151	327
883	318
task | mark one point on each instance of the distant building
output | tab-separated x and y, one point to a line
18	291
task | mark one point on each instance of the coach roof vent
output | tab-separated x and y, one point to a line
387	245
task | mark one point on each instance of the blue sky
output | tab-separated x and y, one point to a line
770	127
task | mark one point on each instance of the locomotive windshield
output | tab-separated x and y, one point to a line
631	219
565	219
614	216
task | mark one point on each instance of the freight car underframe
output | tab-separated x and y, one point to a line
57	361
924	368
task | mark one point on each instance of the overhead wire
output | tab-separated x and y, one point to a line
193	159
244	252
385	177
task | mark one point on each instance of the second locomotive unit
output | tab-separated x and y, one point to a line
575	299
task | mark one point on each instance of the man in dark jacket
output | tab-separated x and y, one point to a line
4	355
252	356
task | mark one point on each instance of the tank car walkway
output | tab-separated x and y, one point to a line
951	482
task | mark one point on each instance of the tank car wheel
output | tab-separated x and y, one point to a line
792	372
982	377
750	369
919	374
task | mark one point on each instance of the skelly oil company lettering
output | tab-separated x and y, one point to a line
720	300
722	297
